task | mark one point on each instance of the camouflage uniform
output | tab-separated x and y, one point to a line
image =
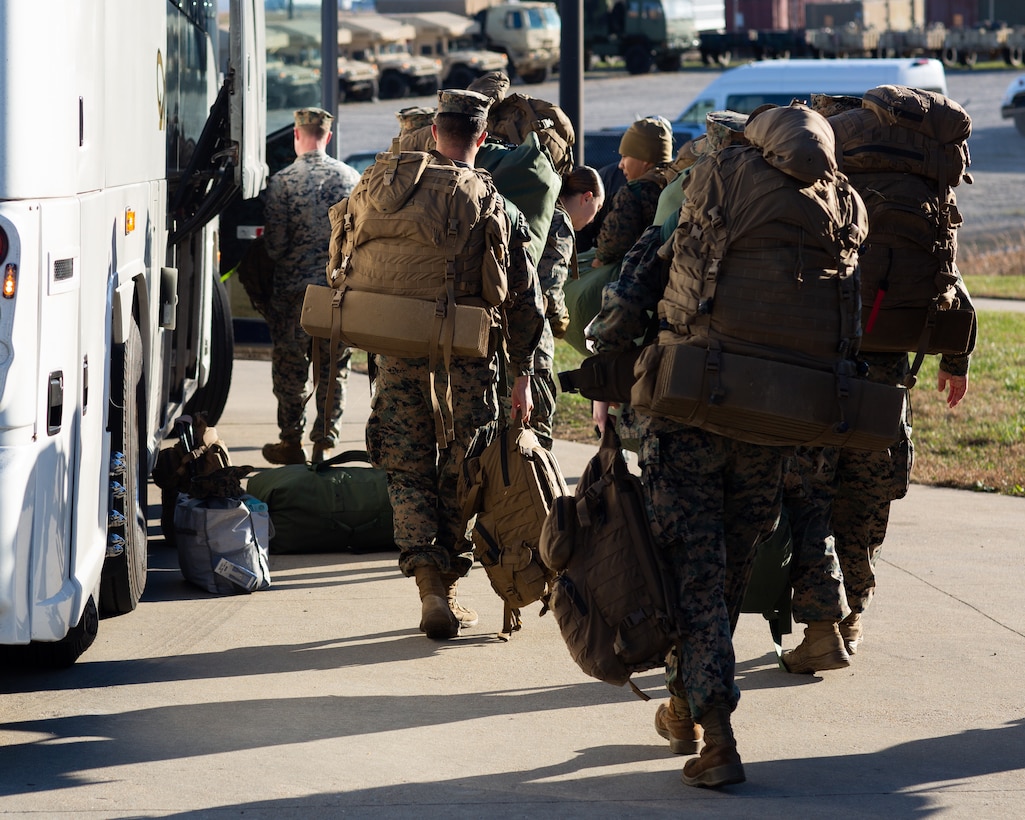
553	271
710	500
633	210
297	233
422	477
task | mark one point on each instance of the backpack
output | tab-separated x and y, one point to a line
611	595
909	130
765	263
509	482
511	119
429	237
912	295
198	452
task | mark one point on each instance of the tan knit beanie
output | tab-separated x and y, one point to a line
649	140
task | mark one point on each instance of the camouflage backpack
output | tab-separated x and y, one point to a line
509	482
515	116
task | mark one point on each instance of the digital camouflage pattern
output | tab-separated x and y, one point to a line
710	500
552	271
809	479
414	118
460	101
633	210
297	233
423	479
313	116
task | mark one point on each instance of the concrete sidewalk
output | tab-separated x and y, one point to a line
320	698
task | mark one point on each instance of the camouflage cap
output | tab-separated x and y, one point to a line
649	139
414	118
458	101
313	116
827	105
722	129
493	84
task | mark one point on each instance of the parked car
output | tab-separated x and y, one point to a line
1012	107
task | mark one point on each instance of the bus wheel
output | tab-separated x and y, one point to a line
211	398
63	653
124	571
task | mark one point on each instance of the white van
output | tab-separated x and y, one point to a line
746	87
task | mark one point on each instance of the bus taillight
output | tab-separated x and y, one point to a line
10	284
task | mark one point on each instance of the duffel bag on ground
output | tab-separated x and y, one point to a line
222	543
327	507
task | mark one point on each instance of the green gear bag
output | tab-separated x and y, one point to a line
525	176
583	298
328	507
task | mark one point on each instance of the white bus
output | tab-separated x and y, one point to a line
123	135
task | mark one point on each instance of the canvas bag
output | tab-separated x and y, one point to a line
198	451
223	543
336	505
517	116
611	595
508	482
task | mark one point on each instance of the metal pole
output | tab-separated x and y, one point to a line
329	67
571	70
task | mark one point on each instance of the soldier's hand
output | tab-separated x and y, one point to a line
522	399
956	387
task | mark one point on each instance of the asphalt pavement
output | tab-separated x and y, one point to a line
320	698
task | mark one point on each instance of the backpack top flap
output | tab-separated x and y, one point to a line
927	112
393	178
796	140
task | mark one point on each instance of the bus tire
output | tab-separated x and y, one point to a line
124	574
63	653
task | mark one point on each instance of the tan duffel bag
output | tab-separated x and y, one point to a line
765	402
393	325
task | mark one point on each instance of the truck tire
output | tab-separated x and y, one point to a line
638	59
950	57
393	86
536	76
460	76
669	64
969	59
124	574
1013	56
63	653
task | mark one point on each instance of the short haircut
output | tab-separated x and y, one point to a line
459	130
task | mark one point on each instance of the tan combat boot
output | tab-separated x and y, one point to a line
466	616
674	722
821	649
436	619
719	763
284	452
850	631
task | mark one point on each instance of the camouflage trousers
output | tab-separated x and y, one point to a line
809	480
291	360
542	419
710	500
839	501
866	484
422	478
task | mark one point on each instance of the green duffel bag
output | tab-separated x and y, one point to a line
328	507
583	298
525	176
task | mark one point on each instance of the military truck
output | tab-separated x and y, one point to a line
293	68
644	33
383	41
456	40
527	33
